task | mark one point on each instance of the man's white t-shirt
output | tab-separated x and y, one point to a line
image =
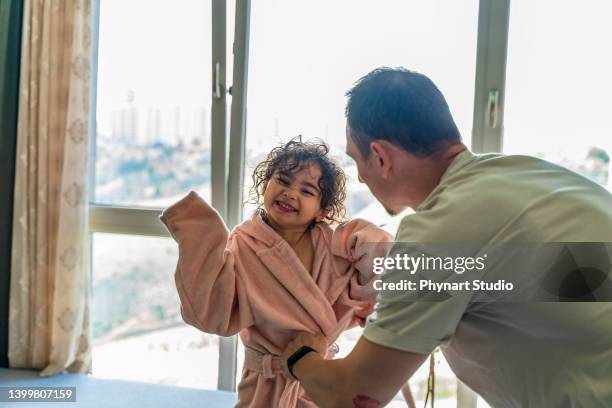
514	354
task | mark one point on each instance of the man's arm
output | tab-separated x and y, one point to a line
369	377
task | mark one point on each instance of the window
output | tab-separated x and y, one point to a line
350	39
558	84
137	326
297	83
155	118
153	102
153	144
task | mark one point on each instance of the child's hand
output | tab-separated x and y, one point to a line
365	311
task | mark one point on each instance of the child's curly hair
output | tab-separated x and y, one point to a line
294	156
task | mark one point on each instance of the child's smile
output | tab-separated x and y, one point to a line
285	207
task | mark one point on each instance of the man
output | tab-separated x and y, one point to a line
515	354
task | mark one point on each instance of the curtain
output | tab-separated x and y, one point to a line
50	278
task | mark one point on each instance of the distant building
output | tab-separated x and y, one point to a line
175	125
200	133
153	126
125	119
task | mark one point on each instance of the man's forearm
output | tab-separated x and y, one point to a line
329	384
369	377
319	377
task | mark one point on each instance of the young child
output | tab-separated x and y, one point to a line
283	271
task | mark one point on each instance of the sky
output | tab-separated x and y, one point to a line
305	55
159	49
558	77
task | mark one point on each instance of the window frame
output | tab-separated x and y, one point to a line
227	165
131	220
491	55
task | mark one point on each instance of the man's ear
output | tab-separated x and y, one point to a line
381	152
322	214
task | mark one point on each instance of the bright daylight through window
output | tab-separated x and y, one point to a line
153	132
152	146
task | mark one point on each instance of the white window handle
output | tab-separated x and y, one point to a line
493	108
217	90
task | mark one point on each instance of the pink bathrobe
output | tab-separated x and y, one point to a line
251	281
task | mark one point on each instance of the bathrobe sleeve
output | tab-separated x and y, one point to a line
360	242
208	274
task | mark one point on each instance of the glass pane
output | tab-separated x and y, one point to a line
297	82
558	84
153	101
138	330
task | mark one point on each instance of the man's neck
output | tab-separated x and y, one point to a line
449	156
431	170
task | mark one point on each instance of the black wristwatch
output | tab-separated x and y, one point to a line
295	357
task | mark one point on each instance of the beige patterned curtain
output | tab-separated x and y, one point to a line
50	277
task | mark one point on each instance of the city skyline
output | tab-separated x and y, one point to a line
145	124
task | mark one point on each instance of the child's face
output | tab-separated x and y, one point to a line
294	200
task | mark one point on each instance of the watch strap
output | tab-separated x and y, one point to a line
295	357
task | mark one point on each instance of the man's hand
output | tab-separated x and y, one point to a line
317	342
366	311
370	374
